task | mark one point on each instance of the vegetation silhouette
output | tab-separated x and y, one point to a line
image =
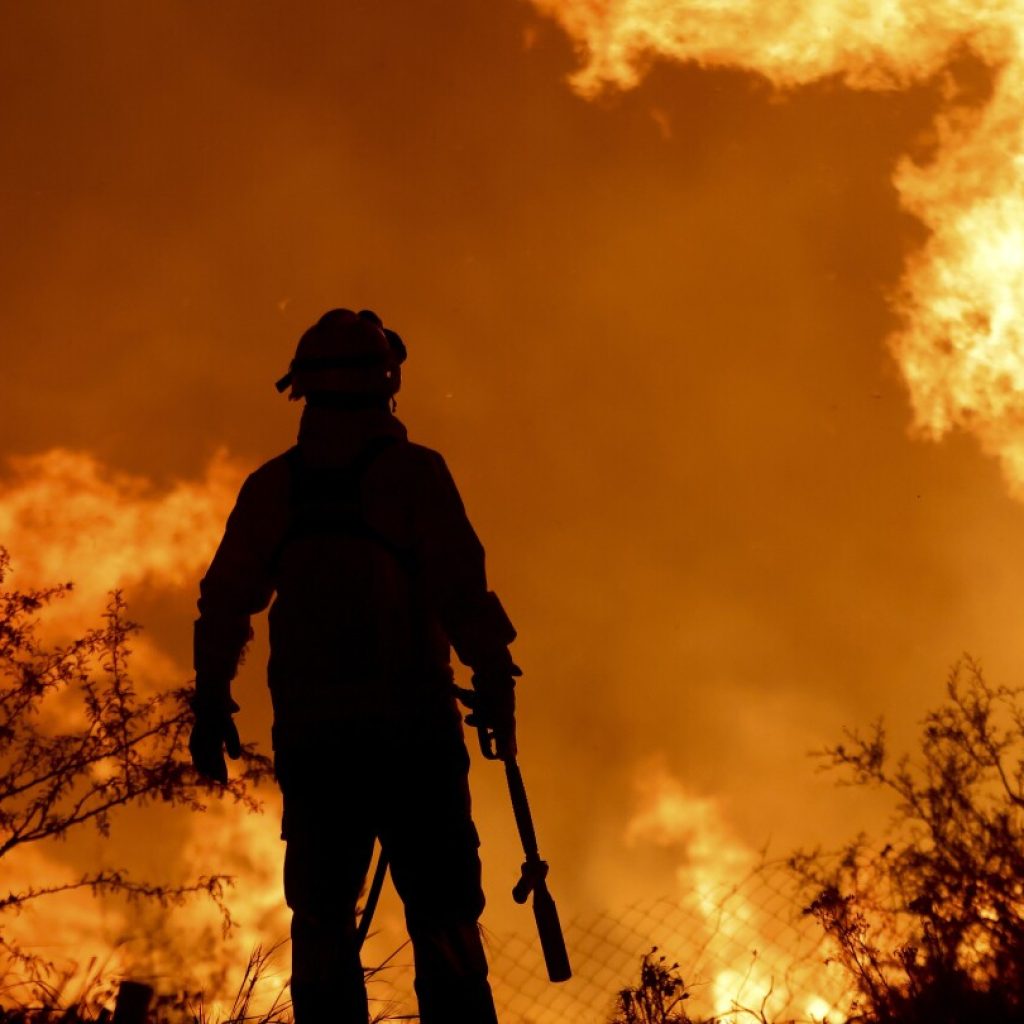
75	997
657	998
926	921
660	994
79	742
929	922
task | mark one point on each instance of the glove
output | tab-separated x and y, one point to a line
492	704
212	732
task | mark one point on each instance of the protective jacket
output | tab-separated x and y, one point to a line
377	571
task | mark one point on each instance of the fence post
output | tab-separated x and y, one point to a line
132	1005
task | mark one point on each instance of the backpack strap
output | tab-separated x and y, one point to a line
325	501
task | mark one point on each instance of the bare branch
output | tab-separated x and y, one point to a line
109	749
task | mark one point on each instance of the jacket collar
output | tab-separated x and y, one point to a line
333	436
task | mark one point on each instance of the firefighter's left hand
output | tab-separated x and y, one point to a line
213	733
492	705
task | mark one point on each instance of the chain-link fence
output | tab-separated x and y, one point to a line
742	947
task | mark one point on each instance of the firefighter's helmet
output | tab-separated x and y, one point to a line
346	353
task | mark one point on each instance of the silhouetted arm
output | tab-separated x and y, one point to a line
237	586
451	558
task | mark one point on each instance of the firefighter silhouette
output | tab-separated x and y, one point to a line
361	540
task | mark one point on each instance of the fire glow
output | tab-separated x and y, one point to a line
65	515
960	345
712	876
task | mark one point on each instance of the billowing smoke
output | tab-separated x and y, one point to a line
961	343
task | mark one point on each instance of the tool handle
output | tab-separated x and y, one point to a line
521	810
534	879
552	942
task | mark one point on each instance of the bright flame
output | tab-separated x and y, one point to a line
228	839
745	949
818	1009
961	346
64	515
85	927
670	815
174	948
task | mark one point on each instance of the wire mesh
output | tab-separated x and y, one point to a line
746	952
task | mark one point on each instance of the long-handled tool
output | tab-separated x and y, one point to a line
534	879
534	871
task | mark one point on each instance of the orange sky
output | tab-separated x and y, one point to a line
648	332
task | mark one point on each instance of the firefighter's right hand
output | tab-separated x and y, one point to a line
213	732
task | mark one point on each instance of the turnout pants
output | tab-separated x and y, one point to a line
406	783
